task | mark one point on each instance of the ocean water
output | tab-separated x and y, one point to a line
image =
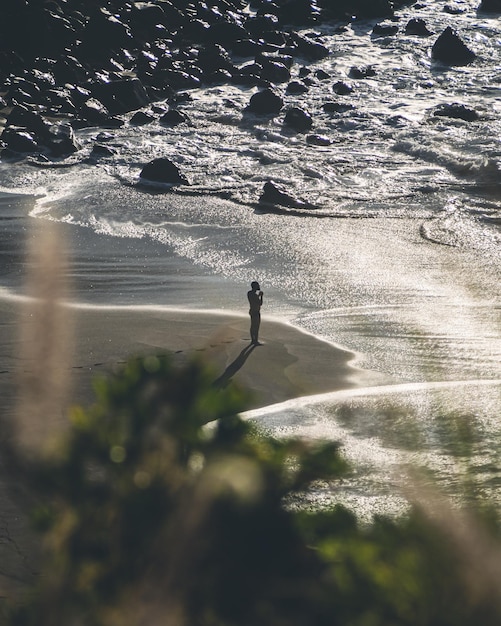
400	261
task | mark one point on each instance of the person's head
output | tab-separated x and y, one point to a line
255	286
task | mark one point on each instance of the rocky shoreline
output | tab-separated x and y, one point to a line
70	64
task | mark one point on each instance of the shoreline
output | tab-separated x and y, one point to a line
290	364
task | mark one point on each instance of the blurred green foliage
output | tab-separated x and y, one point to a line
162	506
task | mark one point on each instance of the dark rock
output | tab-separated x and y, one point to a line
296	88
61	141
60	102
417	26
19	140
194	30
78	94
341	88
173	117
318	140
100	150
452	9
104	32
226	32
298	12
456	111
275	72
104	136
23	86
322	75
144	17
298	119
309	49
274	195
265	102
68	69
362	72
258	25
385	30
140	118
176	79
214	57
94	112
304	71
163	170
245	48
337	107
120	96
450	49
264	57
28	119
490	6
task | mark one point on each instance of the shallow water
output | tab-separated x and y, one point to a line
400	262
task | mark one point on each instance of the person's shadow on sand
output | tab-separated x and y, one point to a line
233	367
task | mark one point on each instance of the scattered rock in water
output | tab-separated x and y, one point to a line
456	111
174	117
417	26
366	71
61	141
309	49
450	49
453	9
337	107
163	170
342	88
274	195
385	30
265	102
101	150
140	118
274	71
322	75
318	140
296	87
298	119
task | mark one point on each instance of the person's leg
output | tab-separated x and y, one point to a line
255	322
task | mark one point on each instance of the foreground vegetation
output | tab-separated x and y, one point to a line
149	514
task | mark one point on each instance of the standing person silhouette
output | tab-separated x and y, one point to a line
255	296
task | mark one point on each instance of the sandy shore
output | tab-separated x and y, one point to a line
288	364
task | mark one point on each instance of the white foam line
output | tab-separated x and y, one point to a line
346	394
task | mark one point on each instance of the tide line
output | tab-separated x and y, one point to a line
360	392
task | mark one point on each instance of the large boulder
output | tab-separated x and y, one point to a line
61	141
309	49
456	111
163	170
450	49
174	117
342	88
273	195
29	119
120	96
19	140
417	26
265	102
298	119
